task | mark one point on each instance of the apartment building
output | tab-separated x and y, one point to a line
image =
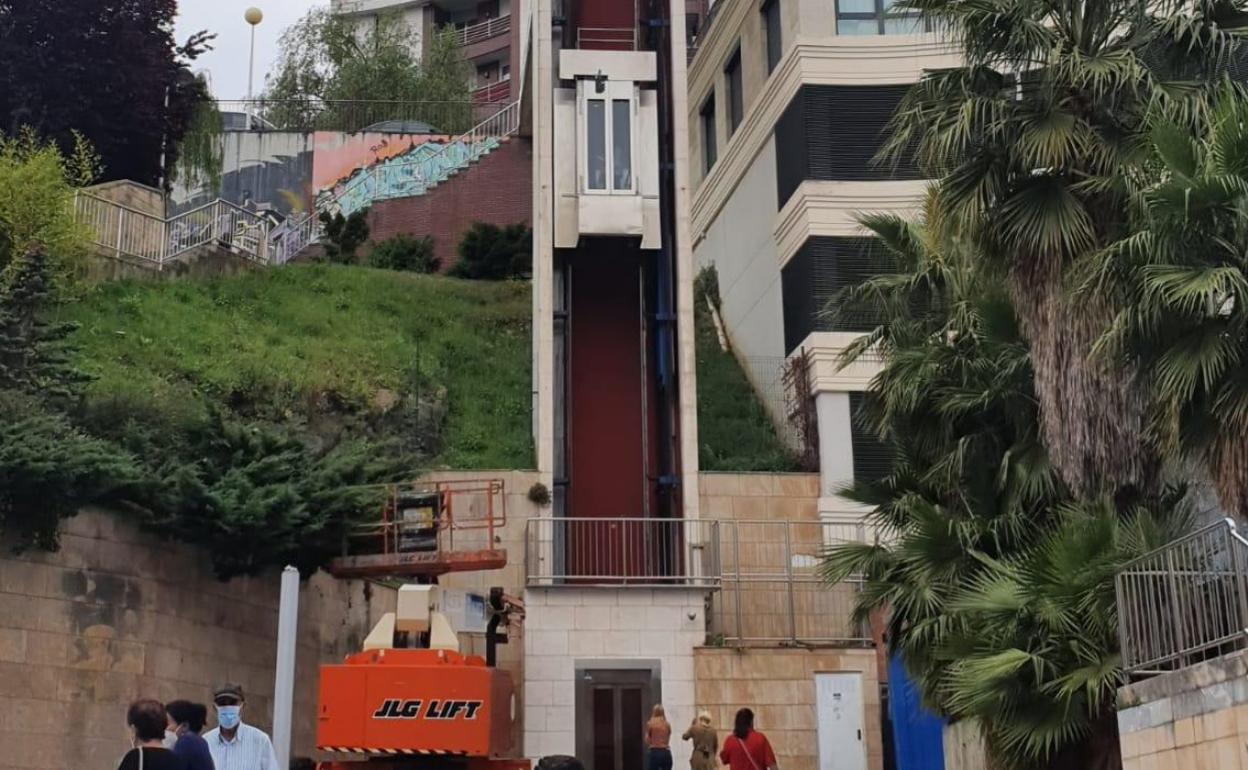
788	104
483	27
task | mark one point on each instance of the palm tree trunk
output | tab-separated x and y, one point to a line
1093	411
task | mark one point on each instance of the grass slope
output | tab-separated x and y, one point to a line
301	342
734	431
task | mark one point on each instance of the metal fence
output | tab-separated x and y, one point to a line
444	117
621	552
1185	602
771	591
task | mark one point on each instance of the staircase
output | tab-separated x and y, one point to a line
150	241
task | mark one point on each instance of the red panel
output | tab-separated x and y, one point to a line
607	25
605	420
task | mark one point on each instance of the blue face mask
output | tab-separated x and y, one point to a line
228	716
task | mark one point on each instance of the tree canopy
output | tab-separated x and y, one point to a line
103	69
328	70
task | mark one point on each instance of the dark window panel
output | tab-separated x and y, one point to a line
872	459
815	275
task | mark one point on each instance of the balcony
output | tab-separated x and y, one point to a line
484	30
492	92
763	575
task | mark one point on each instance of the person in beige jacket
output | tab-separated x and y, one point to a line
705	743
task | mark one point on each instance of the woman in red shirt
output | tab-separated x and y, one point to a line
747	748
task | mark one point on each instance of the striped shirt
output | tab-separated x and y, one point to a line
251	749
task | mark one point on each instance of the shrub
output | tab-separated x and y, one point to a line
405	252
492	253
343	235
37	187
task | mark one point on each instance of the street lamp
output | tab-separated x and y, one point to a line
252	16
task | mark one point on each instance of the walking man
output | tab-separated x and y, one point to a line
234	745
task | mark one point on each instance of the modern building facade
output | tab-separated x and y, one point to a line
788	107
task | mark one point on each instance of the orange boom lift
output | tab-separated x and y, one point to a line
410	699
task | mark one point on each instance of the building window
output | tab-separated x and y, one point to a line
736	96
771	31
708	132
505	72
608	120
876	17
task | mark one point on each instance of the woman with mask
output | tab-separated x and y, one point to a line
147	721
186	721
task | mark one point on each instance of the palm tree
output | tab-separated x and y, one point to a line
996	580
1032	141
1182	280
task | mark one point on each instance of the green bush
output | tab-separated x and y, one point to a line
405	252
344	235
492	253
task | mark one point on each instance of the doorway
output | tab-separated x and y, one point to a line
612	706
838	708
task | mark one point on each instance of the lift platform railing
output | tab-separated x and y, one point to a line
642	552
429	528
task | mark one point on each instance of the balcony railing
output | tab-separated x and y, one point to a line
763	574
621	552
1185	602
484	30
492	92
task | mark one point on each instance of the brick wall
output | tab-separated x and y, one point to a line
497	190
117	614
779	685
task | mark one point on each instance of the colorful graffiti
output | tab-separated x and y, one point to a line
411	173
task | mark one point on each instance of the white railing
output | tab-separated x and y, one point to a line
133	234
484	30
293	236
414	173
609	38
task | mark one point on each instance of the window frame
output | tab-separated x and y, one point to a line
880	16
710	133
614	90
772	43
736	96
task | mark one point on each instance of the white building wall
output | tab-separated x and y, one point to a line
741	244
591	627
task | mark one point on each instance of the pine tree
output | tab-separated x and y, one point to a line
34	354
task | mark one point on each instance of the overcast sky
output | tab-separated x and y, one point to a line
227	62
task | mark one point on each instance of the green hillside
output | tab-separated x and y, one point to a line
440	364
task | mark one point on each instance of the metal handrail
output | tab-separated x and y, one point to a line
1184	602
128	232
484	30
311	114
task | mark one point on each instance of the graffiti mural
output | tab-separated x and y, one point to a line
411	173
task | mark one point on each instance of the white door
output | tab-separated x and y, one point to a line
838	707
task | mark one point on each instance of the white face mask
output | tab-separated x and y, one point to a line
170	739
